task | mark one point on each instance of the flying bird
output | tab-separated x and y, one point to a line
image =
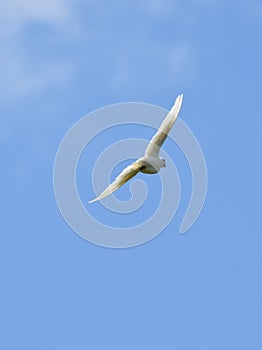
150	163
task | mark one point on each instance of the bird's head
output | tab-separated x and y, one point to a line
163	162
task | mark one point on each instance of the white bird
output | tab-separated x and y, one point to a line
150	163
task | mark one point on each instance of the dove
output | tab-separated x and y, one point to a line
150	163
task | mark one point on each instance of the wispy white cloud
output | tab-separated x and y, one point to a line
16	13
20	71
18	80
139	55
158	8
164	64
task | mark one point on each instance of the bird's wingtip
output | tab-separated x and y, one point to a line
93	200
177	105
179	99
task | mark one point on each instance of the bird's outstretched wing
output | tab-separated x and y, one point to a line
158	139
126	175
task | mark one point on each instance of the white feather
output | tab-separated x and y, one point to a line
158	139
126	175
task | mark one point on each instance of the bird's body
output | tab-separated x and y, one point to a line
150	163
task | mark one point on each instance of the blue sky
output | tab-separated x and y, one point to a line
62	59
